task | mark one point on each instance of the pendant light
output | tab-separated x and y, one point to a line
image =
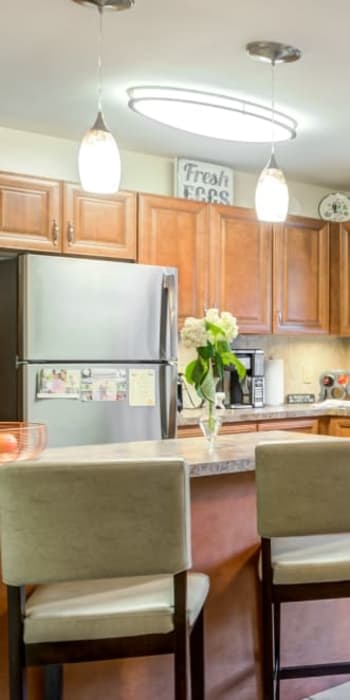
271	195
99	158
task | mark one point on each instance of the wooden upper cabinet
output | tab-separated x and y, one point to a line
175	233
30	213
301	276
241	267
340	279
99	225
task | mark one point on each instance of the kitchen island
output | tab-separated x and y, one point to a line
225	545
231	455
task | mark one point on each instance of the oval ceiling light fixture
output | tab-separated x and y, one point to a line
213	115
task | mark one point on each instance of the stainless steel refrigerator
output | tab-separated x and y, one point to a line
88	347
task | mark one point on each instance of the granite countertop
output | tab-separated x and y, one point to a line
330	407
232	453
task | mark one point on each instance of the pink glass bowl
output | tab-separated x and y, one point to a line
19	441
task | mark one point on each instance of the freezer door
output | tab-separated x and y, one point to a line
72	421
79	309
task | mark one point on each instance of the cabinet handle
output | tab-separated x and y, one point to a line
279	317
70	233
55	231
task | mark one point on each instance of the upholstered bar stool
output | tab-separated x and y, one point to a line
108	547
303	497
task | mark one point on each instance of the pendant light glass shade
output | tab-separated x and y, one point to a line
99	160
272	195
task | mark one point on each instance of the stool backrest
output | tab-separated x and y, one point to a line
62	522
303	488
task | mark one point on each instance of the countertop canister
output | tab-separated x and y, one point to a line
274	382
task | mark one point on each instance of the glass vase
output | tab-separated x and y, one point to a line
210	423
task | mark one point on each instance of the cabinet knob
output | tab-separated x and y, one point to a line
55	231
70	233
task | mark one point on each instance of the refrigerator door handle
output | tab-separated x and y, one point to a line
168	400
168	316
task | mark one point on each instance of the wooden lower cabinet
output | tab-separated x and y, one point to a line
323	425
187	431
339	427
300	425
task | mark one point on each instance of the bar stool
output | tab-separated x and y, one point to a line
107	545
303	495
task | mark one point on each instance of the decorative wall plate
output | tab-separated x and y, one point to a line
335	207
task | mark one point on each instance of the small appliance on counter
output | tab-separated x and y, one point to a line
274	382
335	384
251	391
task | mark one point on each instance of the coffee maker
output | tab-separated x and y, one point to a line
250	391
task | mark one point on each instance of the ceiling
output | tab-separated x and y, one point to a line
48	81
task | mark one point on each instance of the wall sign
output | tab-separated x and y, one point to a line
204	182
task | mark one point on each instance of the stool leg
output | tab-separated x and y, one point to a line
267	651
197	659
277	646
181	670
53	682
17	680
181	637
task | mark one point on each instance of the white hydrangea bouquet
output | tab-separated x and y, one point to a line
211	337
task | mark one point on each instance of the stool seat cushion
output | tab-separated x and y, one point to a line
312	559
100	609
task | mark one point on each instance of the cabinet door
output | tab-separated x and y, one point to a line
300	425
174	232
30	213
186	431
99	225
241	267
340	279
339	427
301	276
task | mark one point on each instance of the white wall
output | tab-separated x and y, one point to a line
47	156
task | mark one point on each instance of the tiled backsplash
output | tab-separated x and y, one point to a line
304	357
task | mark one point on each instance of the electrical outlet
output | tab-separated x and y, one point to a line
307	374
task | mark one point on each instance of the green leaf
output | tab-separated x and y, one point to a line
226	358
215	330
189	371
219	365
206	351
241	370
207	387
199	372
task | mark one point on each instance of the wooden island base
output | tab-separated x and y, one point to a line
224	545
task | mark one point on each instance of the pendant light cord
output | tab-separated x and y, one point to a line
273	69
99	60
